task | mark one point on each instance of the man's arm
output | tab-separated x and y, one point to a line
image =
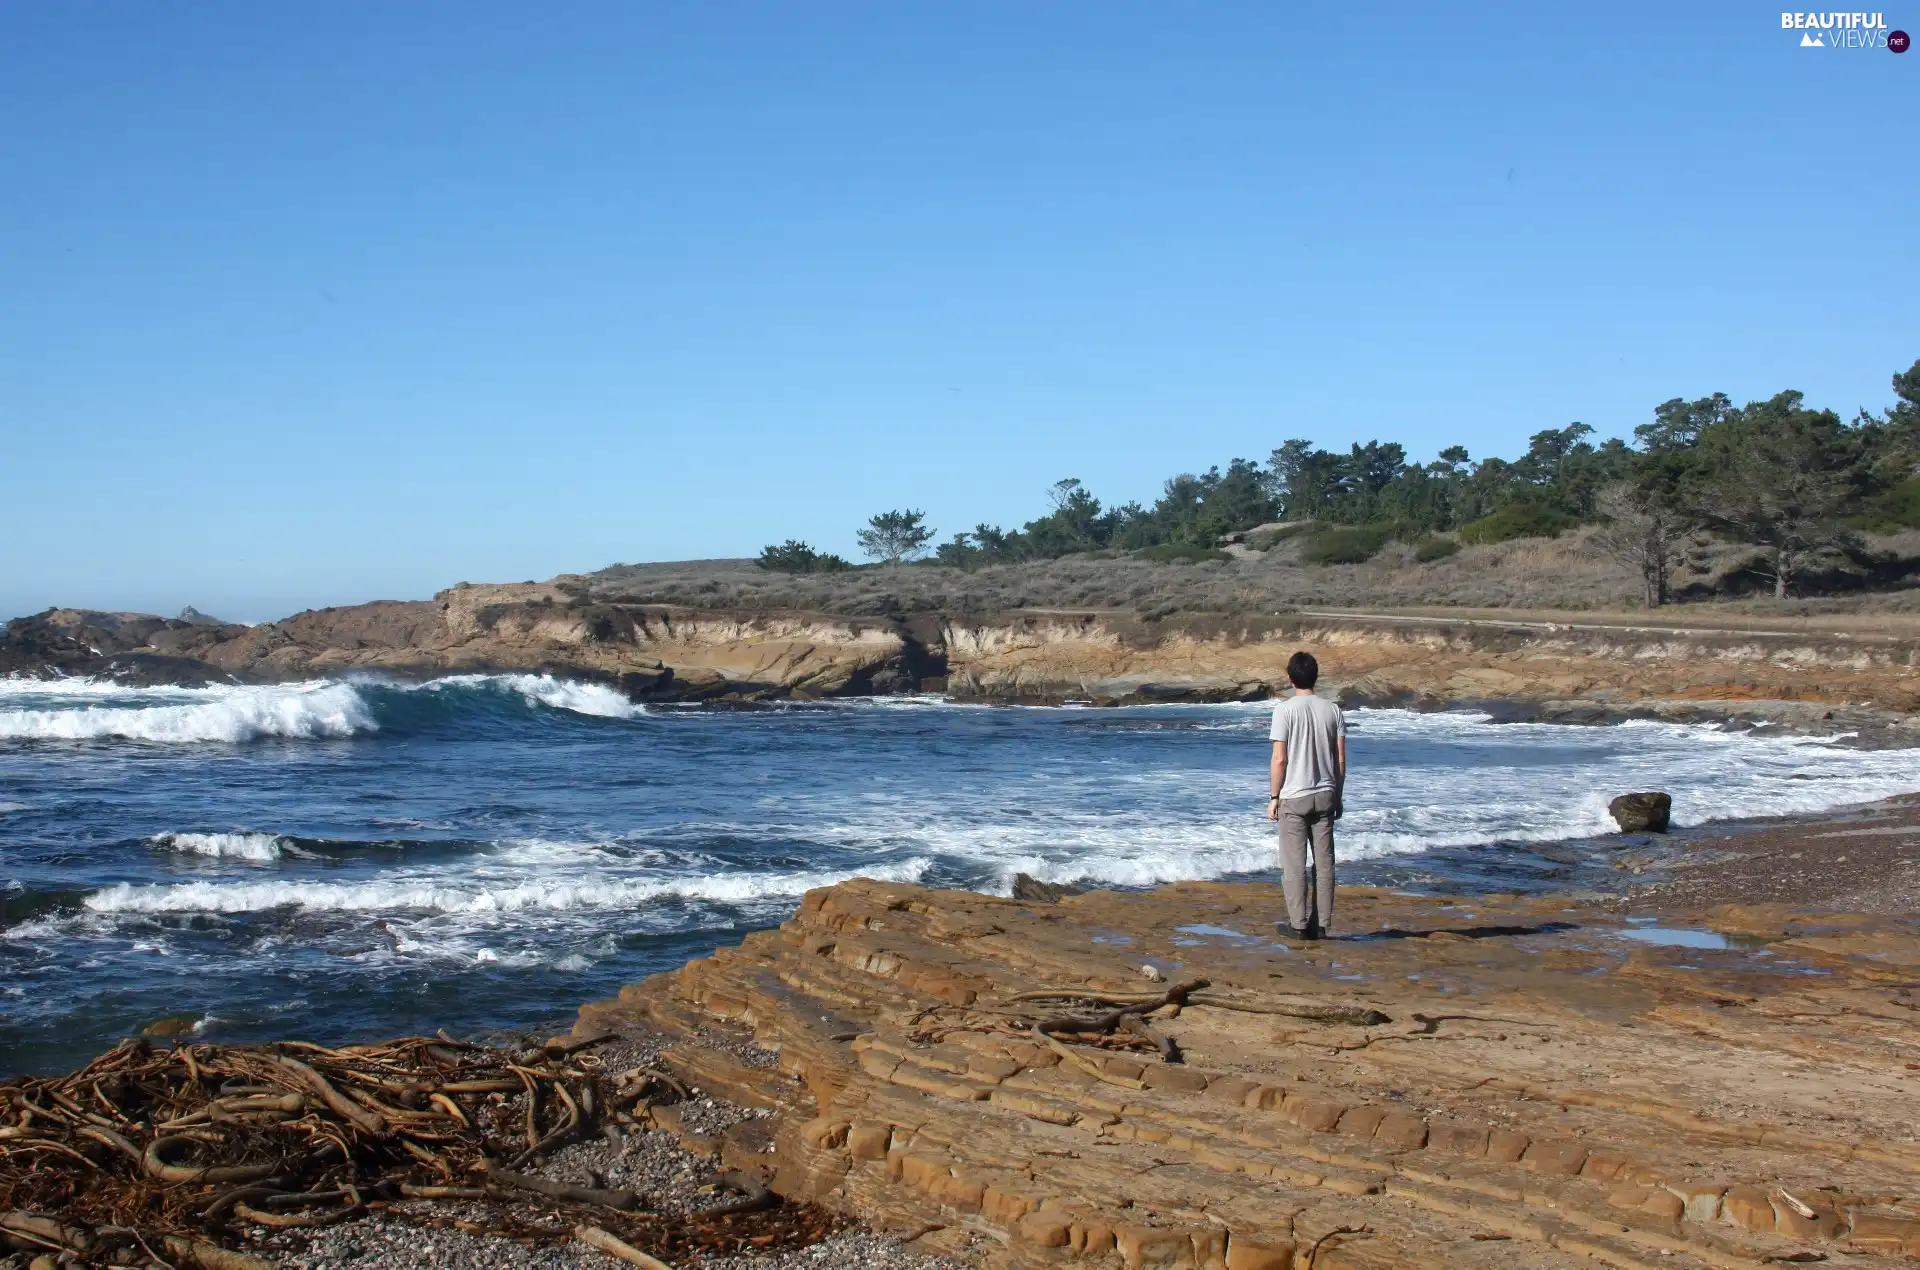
1276	779
1340	776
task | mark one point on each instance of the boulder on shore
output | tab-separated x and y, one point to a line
1642	813
1034	891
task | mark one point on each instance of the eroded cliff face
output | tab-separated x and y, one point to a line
650	651
1798	675
1557	669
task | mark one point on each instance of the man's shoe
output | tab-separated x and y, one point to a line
1286	930
1314	931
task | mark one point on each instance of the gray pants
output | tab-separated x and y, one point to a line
1309	814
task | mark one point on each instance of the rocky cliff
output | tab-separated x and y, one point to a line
1801	673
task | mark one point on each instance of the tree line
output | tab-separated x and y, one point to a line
1797	483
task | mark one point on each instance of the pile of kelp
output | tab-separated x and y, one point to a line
170	1157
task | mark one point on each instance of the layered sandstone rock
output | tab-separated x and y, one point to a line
1548	1090
650	651
1801	674
1571	670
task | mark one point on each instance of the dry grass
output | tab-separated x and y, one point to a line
1563	573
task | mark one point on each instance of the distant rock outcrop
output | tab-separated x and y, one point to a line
1800	676
132	648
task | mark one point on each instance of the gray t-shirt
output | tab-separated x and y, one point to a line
1312	727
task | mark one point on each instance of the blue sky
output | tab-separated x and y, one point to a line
304	305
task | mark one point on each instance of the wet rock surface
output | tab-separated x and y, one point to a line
1634	1082
1642	813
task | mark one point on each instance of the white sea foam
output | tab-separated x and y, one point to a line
581	698
9	807
261	848
455	896
1126	816
1453	781
229	714
74	686
545	690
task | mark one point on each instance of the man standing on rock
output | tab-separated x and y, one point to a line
1305	783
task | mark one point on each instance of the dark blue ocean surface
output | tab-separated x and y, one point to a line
353	859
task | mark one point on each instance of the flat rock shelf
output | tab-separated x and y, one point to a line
1484	1081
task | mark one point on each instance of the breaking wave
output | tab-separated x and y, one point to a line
504	830
560	694
95	710
309	710
259	847
453	896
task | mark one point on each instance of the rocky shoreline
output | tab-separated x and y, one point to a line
1712	1069
1826	676
1713	1066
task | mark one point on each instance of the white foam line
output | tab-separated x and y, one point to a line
75	686
585	894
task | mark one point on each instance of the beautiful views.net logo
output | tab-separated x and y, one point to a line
1844	31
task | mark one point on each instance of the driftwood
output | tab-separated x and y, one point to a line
164	1154
32	1231
154	1161
442	1192
1127	1013
362	1119
1317	1011
753	1192
566	1130
198	1252
566	1049
644	1082
284	1221
613	1246
622	1200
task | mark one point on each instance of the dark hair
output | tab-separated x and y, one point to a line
1303	670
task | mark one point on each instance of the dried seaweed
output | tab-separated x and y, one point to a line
171	1156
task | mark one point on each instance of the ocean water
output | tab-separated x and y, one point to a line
344	859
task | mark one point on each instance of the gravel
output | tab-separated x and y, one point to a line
1860	860
409	1243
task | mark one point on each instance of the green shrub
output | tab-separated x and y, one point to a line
794	556
1517	520
1898	506
1171	552
1433	547
1345	544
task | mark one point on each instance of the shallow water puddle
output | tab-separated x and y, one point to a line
1201	928
1675	937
